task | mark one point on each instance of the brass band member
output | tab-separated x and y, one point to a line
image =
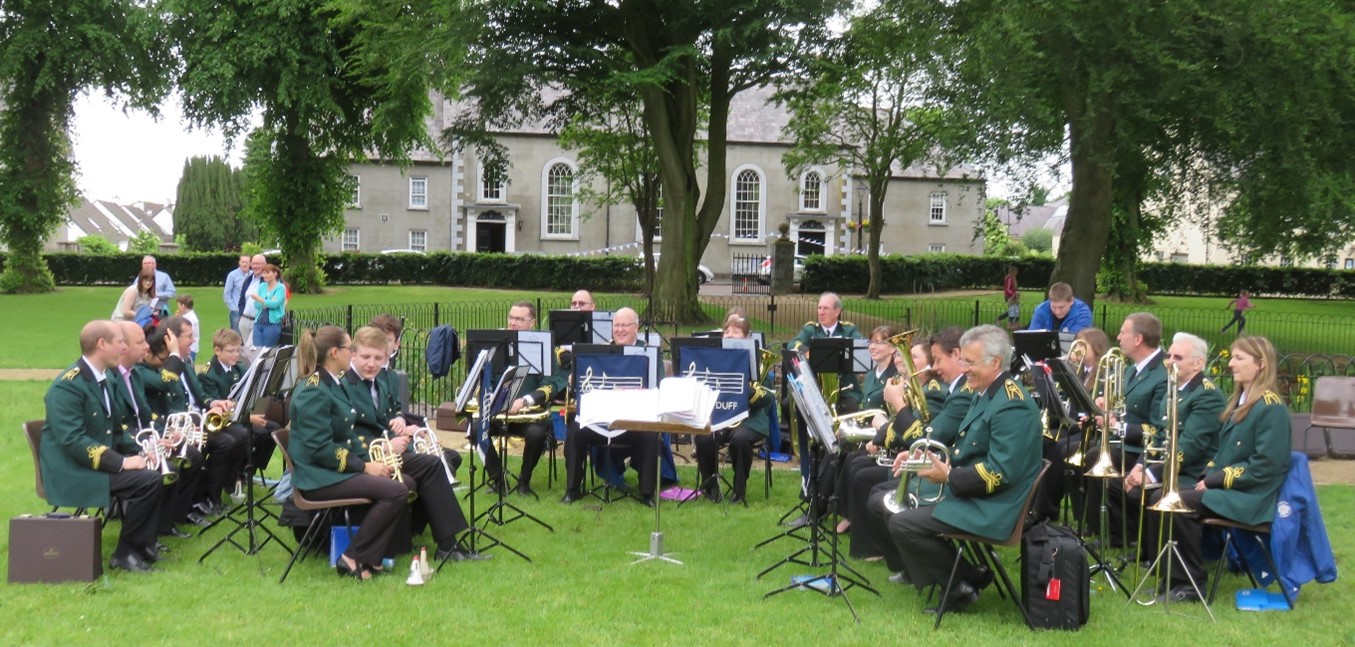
329	460
535	434
221	374
423	473
393	328
887	365
1242	481
740	437
991	470
77	457
1199	405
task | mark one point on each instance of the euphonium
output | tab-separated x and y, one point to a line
917	459
1110	376
426	441
381	451
1171	502
150	442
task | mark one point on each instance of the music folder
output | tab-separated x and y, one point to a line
830	355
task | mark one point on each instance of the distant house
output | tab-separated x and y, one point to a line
116	222
446	202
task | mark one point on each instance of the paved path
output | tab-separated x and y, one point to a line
45	374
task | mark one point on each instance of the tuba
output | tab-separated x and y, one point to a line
426	441
150	442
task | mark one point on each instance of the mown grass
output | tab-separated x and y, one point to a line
579	589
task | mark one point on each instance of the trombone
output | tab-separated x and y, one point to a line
1110	379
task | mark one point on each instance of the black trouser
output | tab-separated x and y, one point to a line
866	543
874	531
1122	527
142	492
382	520
645	458
927	558
425	476
1049	495
226	456
179	496
263	446
740	441
534	434
1239	318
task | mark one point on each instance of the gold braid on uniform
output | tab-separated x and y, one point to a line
70	375
1013	391
166	376
1270	397
95	453
914	431
1231	473
342	455
991	480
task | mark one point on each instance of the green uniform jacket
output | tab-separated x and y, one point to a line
844	329
134	414
167	388
760	402
76	454
217	381
905	428
1143	396
543	389
994	462
1197	428
324	445
371	421
873	388
1252	462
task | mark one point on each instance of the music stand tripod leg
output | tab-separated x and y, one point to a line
656	537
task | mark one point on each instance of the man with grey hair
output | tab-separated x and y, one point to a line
1199	406
991	471
164	286
248	309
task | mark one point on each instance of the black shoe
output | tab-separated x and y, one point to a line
208	508
737	498
983	577
175	532
131	562
647	500
460	554
570	497
900	578
962	596
148	555
1179	593
197	519
800	521
525	490
713	496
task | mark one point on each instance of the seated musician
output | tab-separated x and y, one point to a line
393	328
1242	481
328	459
136	415
581	440
741	437
991	471
884	358
424	474
535	434
1199	405
172	387
77	457
221	374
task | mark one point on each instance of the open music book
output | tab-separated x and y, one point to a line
680	400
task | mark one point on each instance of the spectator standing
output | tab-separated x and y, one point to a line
1240	306
233	294
248	307
185	310
164	286
1012	297
270	300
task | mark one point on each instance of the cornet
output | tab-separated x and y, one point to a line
189	427
381	451
426	441
152	446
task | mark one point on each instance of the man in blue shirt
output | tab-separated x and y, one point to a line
164	286
1062	311
235	283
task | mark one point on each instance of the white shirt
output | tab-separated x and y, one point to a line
99	377
1138	368
192	317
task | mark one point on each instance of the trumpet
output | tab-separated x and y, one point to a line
381	451
151	443
918	458
426	441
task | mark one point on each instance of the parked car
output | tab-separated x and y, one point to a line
402	251
703	273
765	270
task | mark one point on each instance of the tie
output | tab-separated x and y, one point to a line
108	406
244	292
371	388
127	379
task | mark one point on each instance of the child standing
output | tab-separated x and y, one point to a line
1240	306
185	310
1013	298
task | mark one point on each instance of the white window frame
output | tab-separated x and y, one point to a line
355	245
820	205
936	248
936	204
421	247
734	206
499	194
418	200
355	201
573	233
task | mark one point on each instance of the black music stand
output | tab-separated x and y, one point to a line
511	386
265	380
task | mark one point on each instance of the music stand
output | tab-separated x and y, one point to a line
531	349
656	537
581	327
263	379
604	491
1036	345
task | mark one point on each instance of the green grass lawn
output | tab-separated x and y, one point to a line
579	588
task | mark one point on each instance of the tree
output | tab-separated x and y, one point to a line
325	100
96	245
209	208
144	243
1040	240
685	61
862	106
49	52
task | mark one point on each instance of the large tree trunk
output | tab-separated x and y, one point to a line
38	189
1087	227
877	223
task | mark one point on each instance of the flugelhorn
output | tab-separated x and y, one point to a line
152	446
917	459
856	427
426	441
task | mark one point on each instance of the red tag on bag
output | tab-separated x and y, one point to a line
1053	590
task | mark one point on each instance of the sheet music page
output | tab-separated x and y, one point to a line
600	407
686	400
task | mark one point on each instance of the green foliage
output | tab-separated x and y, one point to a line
97	245
50	52
144	242
996	241
251	248
209	206
1039	240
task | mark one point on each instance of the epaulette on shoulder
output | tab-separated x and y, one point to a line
202	370
168	376
933	385
313	380
1271	397
70	375
1208	384
809	323
966	388
1013	390
844	322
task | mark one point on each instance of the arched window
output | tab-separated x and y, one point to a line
811	191
748	206
560	208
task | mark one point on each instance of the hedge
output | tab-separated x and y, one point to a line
507	271
937	272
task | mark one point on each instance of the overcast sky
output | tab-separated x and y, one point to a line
132	157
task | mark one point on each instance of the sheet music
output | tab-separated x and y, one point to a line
534	348
684	401
805	391
751	345
463	396
602	327
652	352
723	382
861	361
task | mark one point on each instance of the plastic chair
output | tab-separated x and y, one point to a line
986	549
1334	411
310	540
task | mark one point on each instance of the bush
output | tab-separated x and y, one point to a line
96	244
507	271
